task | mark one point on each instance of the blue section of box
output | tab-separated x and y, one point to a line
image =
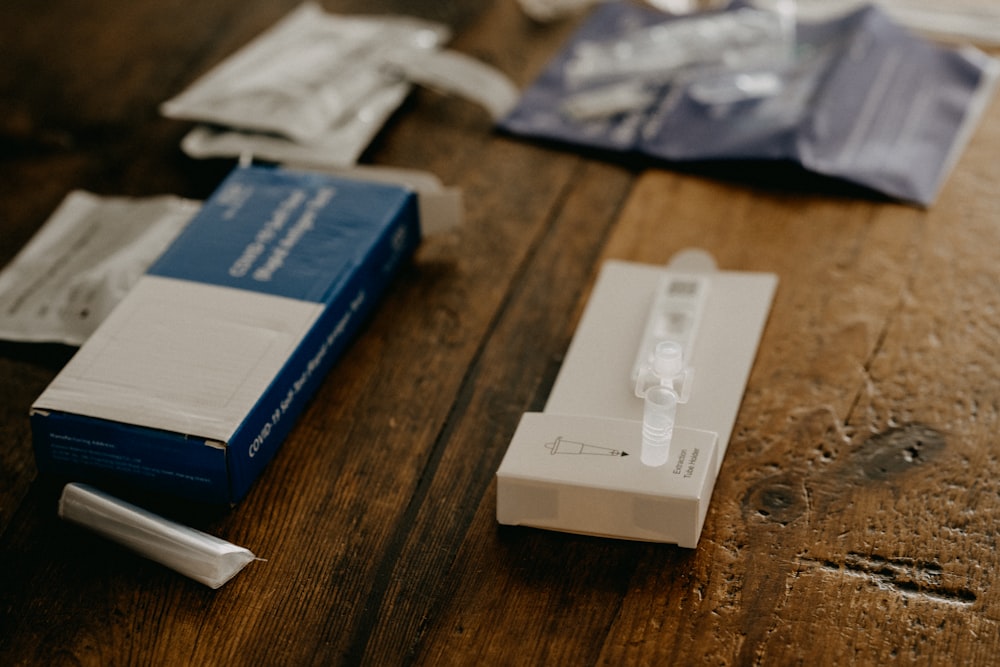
293	234
159	461
260	435
298	235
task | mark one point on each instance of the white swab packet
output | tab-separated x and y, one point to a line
200	556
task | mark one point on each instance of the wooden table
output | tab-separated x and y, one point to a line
856	516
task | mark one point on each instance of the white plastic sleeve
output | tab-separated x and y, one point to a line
200	556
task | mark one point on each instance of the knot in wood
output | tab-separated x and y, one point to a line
898	450
778	499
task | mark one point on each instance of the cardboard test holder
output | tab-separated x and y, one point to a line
193	381
578	465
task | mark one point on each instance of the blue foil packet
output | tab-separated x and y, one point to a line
860	99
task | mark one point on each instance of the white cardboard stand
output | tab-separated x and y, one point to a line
576	466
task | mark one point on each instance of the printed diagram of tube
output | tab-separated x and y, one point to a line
563	446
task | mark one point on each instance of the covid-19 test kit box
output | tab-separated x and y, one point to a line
192	383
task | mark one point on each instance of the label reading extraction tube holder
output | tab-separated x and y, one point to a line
594	460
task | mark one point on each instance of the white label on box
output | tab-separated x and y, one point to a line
183	356
584	475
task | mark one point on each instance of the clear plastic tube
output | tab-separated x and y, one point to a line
736	39
658	416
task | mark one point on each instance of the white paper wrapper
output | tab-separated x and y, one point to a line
307	74
83	261
316	87
200	556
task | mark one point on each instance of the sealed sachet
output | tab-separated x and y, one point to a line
316	87
83	261
310	72
312	84
205	558
857	97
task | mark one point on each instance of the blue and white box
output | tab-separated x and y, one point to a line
195	379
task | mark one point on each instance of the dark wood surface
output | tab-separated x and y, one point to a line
855	519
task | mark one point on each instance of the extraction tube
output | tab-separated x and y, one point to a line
658	416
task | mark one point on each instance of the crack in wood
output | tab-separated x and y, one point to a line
905	576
